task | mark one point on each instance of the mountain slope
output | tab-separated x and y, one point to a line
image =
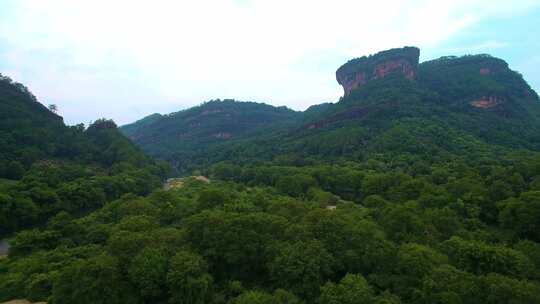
209	124
48	167
393	107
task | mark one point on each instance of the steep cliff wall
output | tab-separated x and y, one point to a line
357	72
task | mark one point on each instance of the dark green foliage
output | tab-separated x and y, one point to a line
226	242
522	215
95	280
61	168
148	271
402	192
182	136
188	280
302	267
352	289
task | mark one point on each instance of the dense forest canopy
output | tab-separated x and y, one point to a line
422	190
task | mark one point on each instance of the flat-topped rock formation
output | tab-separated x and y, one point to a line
357	72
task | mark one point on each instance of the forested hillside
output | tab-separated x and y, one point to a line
420	185
180	136
47	167
469	107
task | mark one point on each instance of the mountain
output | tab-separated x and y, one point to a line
357	72
452	103
27	128
204	127
47	167
141	123
392	107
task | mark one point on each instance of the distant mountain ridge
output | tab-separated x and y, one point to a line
210	123
392	106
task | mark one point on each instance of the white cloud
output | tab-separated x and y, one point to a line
479	47
124	59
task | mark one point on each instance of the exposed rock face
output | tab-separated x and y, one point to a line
485	71
486	102
357	72
222	135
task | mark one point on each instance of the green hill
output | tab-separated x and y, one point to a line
50	167
193	132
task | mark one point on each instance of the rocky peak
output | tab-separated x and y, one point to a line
357	72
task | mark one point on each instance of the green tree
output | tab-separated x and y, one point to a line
148	271
92	281
481	258
188	279
352	289
302	267
279	296
522	215
14	170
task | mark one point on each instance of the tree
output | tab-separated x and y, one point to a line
499	289
481	258
92	281
148	271
522	215
279	296
14	170
295	185
446	284
302	267
188	279
352	289
53	108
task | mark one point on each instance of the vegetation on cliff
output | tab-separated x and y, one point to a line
368	63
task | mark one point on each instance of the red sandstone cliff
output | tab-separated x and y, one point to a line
357	72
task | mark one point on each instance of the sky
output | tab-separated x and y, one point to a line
128	59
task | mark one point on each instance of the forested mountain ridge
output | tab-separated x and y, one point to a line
47	167
472	103
210	123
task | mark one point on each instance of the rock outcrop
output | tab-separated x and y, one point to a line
486	102
357	72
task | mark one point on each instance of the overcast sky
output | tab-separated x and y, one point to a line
127	59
